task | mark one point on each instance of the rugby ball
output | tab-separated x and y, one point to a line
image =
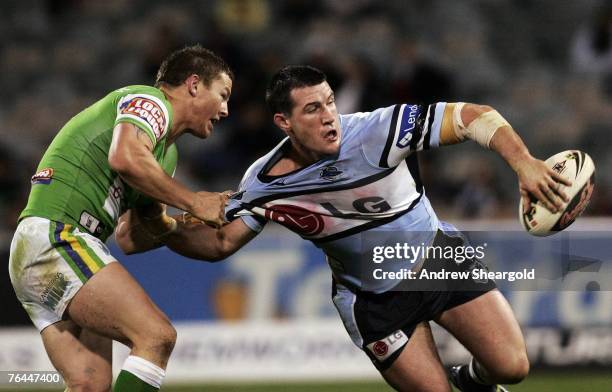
578	167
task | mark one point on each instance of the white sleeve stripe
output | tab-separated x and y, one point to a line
437	125
398	125
391	136
426	127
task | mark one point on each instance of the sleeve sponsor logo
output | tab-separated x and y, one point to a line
149	111
407	125
44	176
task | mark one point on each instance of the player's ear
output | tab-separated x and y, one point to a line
281	121
192	83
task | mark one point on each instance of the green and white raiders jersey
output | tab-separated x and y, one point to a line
74	182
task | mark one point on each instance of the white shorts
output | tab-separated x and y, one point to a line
50	261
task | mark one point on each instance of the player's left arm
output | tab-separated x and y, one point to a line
484	125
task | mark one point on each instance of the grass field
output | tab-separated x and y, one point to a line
537	382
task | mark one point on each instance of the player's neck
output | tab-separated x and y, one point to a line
301	156
294	159
177	127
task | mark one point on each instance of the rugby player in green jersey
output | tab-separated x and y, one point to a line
115	157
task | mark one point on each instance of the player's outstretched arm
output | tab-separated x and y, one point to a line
131	156
199	241
487	127
187	237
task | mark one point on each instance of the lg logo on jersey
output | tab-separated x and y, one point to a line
306	222
371	204
365	205
298	219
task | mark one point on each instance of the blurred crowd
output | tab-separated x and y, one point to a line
545	65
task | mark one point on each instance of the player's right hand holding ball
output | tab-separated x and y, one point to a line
537	179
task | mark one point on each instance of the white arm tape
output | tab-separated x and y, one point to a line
481	129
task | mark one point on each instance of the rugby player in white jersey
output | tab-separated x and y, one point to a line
336	178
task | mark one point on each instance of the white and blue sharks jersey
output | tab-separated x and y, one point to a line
373	183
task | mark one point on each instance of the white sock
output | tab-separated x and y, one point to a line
144	370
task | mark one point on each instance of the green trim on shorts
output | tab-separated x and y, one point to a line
58	247
90	252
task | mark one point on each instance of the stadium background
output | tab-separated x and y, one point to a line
545	65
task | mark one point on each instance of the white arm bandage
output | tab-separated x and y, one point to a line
481	129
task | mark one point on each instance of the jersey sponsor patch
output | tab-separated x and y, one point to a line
384	348
148	110
44	176
300	220
91	223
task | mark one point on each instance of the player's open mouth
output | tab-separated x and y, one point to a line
331	135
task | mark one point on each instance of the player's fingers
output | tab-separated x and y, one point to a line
547	197
214	223
556	188
559	178
187	218
225	197
541	198
526	201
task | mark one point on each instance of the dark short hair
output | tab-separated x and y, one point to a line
278	93
181	64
